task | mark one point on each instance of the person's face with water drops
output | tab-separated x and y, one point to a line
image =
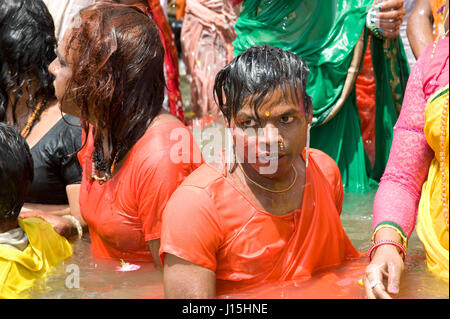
274	137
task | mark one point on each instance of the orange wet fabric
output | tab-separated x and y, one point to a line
124	213
210	223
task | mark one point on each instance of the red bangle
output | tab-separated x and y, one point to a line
386	242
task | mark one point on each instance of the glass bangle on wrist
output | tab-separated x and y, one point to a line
393	226
372	22
387	242
76	223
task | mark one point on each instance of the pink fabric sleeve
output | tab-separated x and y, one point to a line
400	187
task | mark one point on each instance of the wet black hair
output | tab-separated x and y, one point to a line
255	74
27	47
16	172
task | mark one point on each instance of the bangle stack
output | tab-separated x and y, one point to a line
372	22
393	226
386	242
76	223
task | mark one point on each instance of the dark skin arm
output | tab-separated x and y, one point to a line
420	27
185	280
154	248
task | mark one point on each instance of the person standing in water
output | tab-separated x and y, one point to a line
413	191
255	215
128	168
28	102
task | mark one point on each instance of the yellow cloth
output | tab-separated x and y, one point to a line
19	269
432	227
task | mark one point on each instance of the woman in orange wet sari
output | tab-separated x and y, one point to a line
129	170
269	209
414	188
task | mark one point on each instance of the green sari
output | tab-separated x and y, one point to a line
330	36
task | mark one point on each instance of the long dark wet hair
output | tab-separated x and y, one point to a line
16	172
255	74
117	76
27	47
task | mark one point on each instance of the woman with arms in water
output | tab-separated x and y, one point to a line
271	212
413	191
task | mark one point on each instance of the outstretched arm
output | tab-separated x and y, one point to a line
398	195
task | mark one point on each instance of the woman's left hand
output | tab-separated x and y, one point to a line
390	17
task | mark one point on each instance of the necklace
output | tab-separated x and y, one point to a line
268	189
107	175
32	118
442	136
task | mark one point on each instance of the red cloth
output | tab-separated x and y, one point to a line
365	99
210	223
170	59
235	2
125	213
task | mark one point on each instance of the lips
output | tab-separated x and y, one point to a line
269	158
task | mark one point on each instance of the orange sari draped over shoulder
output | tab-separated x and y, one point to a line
246	246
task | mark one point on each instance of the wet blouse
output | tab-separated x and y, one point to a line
211	223
124	213
55	162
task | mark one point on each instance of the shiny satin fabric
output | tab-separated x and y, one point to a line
331	37
246	246
20	268
124	213
323	33
55	162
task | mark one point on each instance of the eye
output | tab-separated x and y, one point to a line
286	119
248	123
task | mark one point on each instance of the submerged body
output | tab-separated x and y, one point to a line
246	246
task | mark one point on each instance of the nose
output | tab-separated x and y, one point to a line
52	67
270	135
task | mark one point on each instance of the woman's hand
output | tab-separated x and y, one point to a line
390	17
386	262
61	225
